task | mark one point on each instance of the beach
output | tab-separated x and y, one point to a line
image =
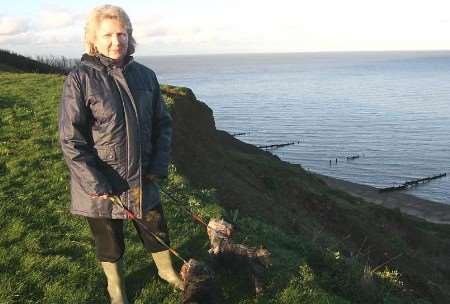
428	210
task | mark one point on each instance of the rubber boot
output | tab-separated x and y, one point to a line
165	269
116	282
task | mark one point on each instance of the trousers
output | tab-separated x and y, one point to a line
109	237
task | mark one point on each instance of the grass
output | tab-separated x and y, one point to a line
47	255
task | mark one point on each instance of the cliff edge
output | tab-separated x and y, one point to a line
286	196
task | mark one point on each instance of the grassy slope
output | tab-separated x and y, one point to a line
12	62
47	256
8	68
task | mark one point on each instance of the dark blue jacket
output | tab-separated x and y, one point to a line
114	130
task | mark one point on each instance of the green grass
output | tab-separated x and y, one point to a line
47	255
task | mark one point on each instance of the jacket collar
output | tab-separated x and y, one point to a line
101	62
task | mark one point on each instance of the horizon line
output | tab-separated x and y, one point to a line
261	53
302	52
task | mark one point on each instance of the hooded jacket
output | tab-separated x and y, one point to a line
114	130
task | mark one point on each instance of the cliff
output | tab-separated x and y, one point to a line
298	202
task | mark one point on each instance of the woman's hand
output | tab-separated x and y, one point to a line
102	197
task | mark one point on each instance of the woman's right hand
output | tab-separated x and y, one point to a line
102	197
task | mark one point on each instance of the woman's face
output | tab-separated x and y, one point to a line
112	39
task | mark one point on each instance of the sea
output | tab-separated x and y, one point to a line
374	118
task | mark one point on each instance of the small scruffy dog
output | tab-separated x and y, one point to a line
224	251
199	286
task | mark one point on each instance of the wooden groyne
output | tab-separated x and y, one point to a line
413	182
424	180
278	145
239	134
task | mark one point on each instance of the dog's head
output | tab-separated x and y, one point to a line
219	228
194	269
199	284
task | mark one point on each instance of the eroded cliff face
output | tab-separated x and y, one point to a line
262	186
254	181
245	177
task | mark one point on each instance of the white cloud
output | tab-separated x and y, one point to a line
10	26
54	18
43	38
44	43
143	32
56	38
11	40
243	26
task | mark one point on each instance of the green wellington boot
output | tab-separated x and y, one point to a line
165	268
116	282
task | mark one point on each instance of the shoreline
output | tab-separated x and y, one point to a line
430	211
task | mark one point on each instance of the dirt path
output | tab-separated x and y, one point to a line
428	210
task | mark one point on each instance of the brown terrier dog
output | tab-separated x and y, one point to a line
199	287
255	260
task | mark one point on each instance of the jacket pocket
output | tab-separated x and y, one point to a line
108	155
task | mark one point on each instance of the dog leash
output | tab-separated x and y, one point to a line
117	201
185	209
192	214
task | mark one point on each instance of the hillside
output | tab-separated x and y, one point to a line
283	195
12	62
327	246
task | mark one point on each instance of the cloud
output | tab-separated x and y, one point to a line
55	18
150	27
45	38
10	26
57	39
44	43
140	32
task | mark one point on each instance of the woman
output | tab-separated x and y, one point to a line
115	134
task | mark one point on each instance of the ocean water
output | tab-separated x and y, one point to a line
390	108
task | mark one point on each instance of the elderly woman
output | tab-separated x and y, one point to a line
115	134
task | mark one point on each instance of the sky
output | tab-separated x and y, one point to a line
180	27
